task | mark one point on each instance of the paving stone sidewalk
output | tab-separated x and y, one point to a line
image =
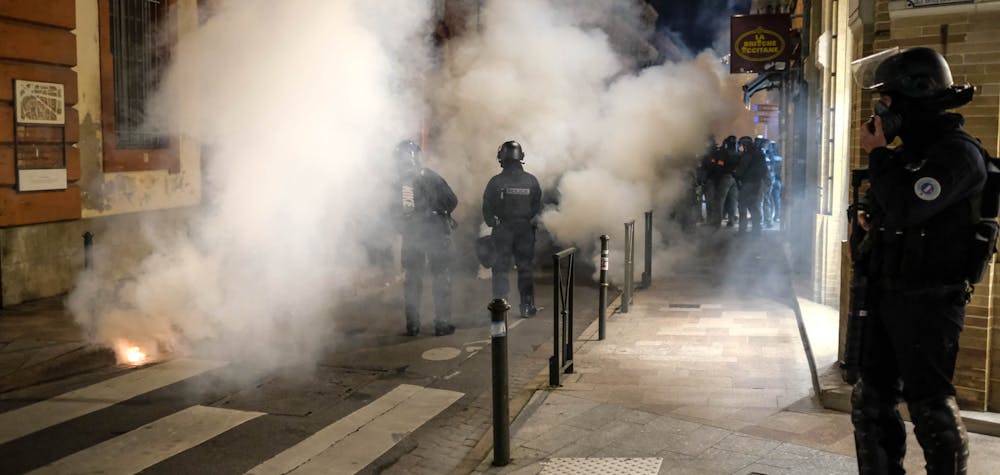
39	342
706	374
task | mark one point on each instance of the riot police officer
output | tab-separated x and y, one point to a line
751	174
511	204
729	155
425	203
919	217
717	181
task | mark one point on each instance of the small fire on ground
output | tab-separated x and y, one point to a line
130	354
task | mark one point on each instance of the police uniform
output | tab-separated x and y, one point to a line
718	181
922	200
751	174
425	206
511	203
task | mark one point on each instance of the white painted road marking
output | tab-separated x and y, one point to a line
30	419
351	443
152	443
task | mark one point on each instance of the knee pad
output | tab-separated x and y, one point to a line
870	404
940	431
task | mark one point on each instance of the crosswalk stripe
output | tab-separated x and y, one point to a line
351	443
30	419
152	443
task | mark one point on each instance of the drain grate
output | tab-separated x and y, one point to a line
588	466
685	305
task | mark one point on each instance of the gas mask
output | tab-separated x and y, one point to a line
892	121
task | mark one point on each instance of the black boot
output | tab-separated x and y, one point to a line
528	308
443	329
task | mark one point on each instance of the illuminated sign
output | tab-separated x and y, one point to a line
759	43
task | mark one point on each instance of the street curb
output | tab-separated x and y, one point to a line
75	362
479	455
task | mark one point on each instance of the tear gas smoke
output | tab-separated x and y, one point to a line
611	141
300	102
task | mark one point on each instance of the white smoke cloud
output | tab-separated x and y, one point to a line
300	102
612	142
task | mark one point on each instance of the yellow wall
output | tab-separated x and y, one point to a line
107	194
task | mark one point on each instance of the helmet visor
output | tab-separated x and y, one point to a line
864	69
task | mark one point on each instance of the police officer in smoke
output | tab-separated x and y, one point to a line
774	166
717	169
424	219
729	155
511	203
751	175
921	216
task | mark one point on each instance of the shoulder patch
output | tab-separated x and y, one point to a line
927	188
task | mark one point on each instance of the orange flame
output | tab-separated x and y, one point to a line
131	354
134	355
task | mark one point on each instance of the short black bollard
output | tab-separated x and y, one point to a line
501	410
647	273
602	312
629	284
88	250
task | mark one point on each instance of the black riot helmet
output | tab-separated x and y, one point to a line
407	156
920	75
729	143
510	151
746	143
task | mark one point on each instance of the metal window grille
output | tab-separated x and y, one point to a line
138	61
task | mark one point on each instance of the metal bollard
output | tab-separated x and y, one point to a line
88	250
647	274
629	280
501	410
602	301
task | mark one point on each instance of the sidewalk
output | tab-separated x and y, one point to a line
40	342
704	375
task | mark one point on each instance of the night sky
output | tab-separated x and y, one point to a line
697	23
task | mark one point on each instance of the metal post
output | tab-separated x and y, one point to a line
647	274
555	363
629	266
501	410
569	314
88	250
602	300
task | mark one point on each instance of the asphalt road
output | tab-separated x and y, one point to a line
218	417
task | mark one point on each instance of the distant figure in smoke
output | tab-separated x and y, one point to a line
730	155
511	204
717	169
774	166
424	218
751	176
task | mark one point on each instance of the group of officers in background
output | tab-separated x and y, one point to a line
423	205
741	183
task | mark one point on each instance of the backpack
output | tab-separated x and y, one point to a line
985	209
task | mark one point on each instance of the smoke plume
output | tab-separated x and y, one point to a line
299	104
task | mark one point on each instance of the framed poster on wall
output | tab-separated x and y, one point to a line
40	135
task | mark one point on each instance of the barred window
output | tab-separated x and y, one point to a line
138	58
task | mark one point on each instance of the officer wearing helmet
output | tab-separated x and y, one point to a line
425	203
511	203
751	174
718	180
729	154
918	219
